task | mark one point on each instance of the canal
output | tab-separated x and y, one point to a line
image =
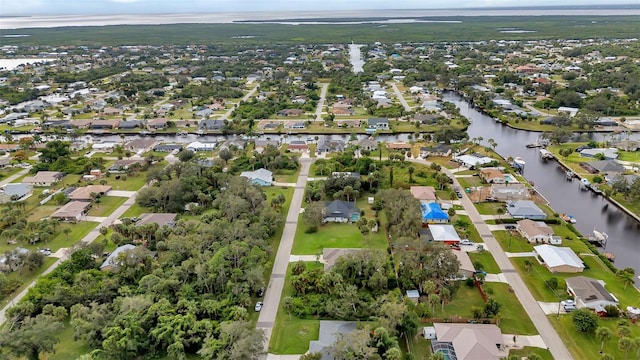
565	196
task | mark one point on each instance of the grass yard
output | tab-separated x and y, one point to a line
135	210
513	318
78	231
527	350
465	298
586	346
486	259
67	348
334	235
419	347
489	208
469	181
286	176
291	335
107	205
42	211
634	207
25	278
511	241
127	182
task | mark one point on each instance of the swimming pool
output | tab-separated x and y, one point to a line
510	178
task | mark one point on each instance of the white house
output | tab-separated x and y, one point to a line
199	146
559	259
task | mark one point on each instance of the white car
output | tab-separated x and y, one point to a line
258	306
568	305
466	242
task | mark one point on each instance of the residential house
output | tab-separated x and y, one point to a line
401	146
609	154
466	269
129	124
161	219
426	119
590	293
506	192
80	124
260	177
525	209
111	262
436	150
326	145
6	261
378	123
260	145
141	145
199	146
84	193
444	234
492	176
111	111
167	147
469	341
432	213
330	331
473	161
331	255
606	166
298	146
294	124
233	143
44	178
340	211
4	162
104	124
628	145
426	194
206	112
347	123
342	111
291	112
72	211
534	231
345	174
9	147
15	192
559	259
157	124
209	124
120	166
367	144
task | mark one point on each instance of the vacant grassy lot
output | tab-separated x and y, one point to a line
67	348
489	208
585	346
486	259
135	210
78	231
333	235
291	335
511	241
469	181
106	206
527	350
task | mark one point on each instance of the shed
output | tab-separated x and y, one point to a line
413	295
429	332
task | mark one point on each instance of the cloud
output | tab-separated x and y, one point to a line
124	1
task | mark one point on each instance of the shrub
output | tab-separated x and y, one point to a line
552	283
585	320
469	282
612	311
311	229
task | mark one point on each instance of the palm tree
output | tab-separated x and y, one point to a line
625	344
606	357
603	334
66	231
411	170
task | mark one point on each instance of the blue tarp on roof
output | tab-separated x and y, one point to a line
432	211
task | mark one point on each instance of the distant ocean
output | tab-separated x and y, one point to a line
296	17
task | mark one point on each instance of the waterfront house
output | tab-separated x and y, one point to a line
141	145
504	192
298	146
199	146
129	124
378	123
492	176
367	144
473	161
167	147
340	211
326	145
609	154
294	124
525	209
606	166
436	150
208	124
559	259
157	124
260	177
534	231
104	124
590	293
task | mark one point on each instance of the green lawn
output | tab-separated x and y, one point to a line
135	210
513	318
67	348
465	298
106	206
486	259
586	346
633	156
291	335
634	207
25	278
527	350
78	231
127	182
333	235
489	208
468	182
287	176
511	241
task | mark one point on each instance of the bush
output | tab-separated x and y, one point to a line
585	320
469	282
311	230
612	311
552	283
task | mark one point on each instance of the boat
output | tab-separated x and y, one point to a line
144	133
546	154
183	133
569	175
569	218
598	238
200	132
534	145
609	256
585	184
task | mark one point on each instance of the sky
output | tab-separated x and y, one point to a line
101	7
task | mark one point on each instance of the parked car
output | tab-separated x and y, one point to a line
466	242
509	227
459	194
261	292
45	251
568	305
491	199
258	306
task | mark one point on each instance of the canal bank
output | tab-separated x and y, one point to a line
592	212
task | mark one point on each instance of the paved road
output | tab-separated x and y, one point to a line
529	303
401	98
273	292
244	98
14	176
323	98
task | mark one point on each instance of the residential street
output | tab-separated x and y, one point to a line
14	176
273	292
404	102
244	98
322	101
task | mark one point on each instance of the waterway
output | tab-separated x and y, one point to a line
355	57
565	196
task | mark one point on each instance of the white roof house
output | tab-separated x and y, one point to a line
470	160
198	146
444	233
559	259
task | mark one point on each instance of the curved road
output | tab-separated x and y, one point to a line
529	303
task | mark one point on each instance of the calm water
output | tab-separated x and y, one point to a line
565	196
